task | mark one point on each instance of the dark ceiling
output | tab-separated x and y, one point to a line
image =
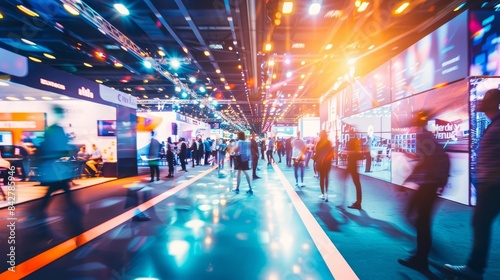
251	92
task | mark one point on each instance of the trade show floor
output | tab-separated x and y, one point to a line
193	227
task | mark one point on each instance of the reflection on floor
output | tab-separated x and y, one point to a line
27	191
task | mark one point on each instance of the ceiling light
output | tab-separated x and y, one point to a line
230	48
202	89
227	87
329	46
49	56
145	81
121	9
71	9
175	63
99	81
177	89
47	98
460	6
217	71
145	96
222	79
314	9
29	98
371	47
64	97
161	53
88	64
302	76
268	47
34	59
26	41
27	11
12	98
287	7
401	8
1	16
207	53
363	6
147	64
118	64
302	62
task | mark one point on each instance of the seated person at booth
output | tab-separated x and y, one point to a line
95	158
82	156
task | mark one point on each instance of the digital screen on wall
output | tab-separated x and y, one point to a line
484	46
448	110
346	101
479	122
438	58
361	96
106	128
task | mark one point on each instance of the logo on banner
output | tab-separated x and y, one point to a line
85	92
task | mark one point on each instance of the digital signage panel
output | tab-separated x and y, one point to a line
438	58
448	108
479	122
484	28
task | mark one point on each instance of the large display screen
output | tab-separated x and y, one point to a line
449	121
485	46
106	128
438	58
479	122
373	90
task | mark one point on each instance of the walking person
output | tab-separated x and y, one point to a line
221	150
254	147
263	147
323	156
154	158
183	153
487	189
241	161
353	150
194	150
298	156
269	152
430	174
170	157
288	151
230	149
57	174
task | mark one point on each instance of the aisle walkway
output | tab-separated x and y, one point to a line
199	229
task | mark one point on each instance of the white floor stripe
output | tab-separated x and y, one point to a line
338	266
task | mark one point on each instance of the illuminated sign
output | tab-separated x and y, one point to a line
117	97
52	84
85	92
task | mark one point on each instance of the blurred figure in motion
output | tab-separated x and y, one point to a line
241	161
57	173
254	147
430	174
488	191
323	155
154	158
353	150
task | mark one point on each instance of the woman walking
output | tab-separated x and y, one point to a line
323	155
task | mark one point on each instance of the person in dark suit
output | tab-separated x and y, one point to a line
254	149
183	154
353	150
430	174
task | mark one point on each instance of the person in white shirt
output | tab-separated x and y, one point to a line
95	158
299	149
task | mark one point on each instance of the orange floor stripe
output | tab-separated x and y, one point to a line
29	266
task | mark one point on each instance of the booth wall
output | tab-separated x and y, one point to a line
80	121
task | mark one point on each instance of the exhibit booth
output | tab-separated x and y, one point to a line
94	113
444	73
167	124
